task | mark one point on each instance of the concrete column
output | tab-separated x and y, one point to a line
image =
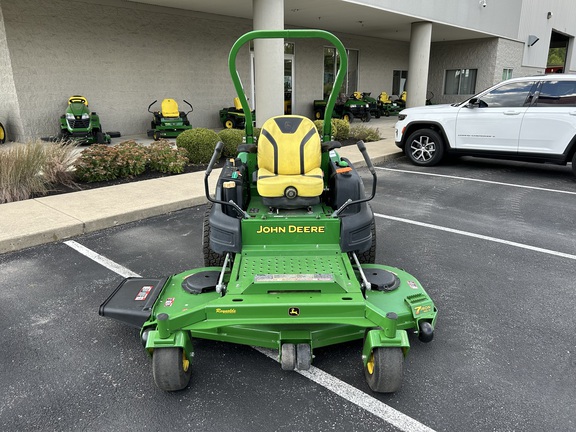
418	62
268	60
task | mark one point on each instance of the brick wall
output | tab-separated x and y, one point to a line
121	56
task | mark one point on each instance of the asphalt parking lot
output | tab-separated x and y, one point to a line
492	242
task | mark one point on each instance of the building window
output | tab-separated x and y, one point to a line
331	63
399	78
506	74
460	82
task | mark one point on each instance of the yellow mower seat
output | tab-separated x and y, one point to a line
384	98
289	158
170	108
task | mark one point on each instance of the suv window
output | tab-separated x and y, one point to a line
508	95
555	93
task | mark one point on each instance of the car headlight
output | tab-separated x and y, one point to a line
85	116
69	116
402	117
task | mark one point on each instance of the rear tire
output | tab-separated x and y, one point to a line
2	134
384	370
369	257
424	147
229	123
348	117
211	258
100	138
574	164
171	368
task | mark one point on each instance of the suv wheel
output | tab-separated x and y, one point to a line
574	163
424	147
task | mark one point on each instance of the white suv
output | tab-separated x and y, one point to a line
530	119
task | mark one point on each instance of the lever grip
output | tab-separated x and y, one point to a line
215	157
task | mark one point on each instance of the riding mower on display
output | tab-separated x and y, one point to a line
372	103
386	106
169	122
79	124
289	249
233	117
345	108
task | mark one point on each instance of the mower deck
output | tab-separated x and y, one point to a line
289	245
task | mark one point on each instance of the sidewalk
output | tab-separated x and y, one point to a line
43	220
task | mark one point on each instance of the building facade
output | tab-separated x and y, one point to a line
122	55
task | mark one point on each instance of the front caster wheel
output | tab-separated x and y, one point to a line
384	370
171	368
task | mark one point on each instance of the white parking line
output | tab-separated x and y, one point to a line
357	397
110	265
342	389
478	180
478	236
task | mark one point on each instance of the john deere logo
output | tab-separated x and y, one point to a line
294	311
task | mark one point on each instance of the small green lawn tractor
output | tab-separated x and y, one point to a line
372	103
289	250
233	117
169	122
345	108
81	125
386	106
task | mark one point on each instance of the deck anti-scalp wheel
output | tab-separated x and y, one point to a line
171	368
288	358
384	369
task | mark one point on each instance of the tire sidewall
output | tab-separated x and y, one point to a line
433	136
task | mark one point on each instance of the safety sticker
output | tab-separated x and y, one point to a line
412	284
143	293
169	302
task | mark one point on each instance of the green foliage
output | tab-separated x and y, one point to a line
131	158
231	138
97	163
342	129
167	159
199	143
320	127
364	133
556	56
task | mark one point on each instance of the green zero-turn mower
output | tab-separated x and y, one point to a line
289	251
80	124
233	117
169	122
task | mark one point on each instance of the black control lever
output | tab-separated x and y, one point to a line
368	161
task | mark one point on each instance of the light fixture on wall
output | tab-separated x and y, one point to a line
549	15
532	40
483	3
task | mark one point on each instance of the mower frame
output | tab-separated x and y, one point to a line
290	280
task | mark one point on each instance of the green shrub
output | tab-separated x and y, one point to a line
167	159
131	158
320	127
97	163
342	129
364	133
231	138
199	143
